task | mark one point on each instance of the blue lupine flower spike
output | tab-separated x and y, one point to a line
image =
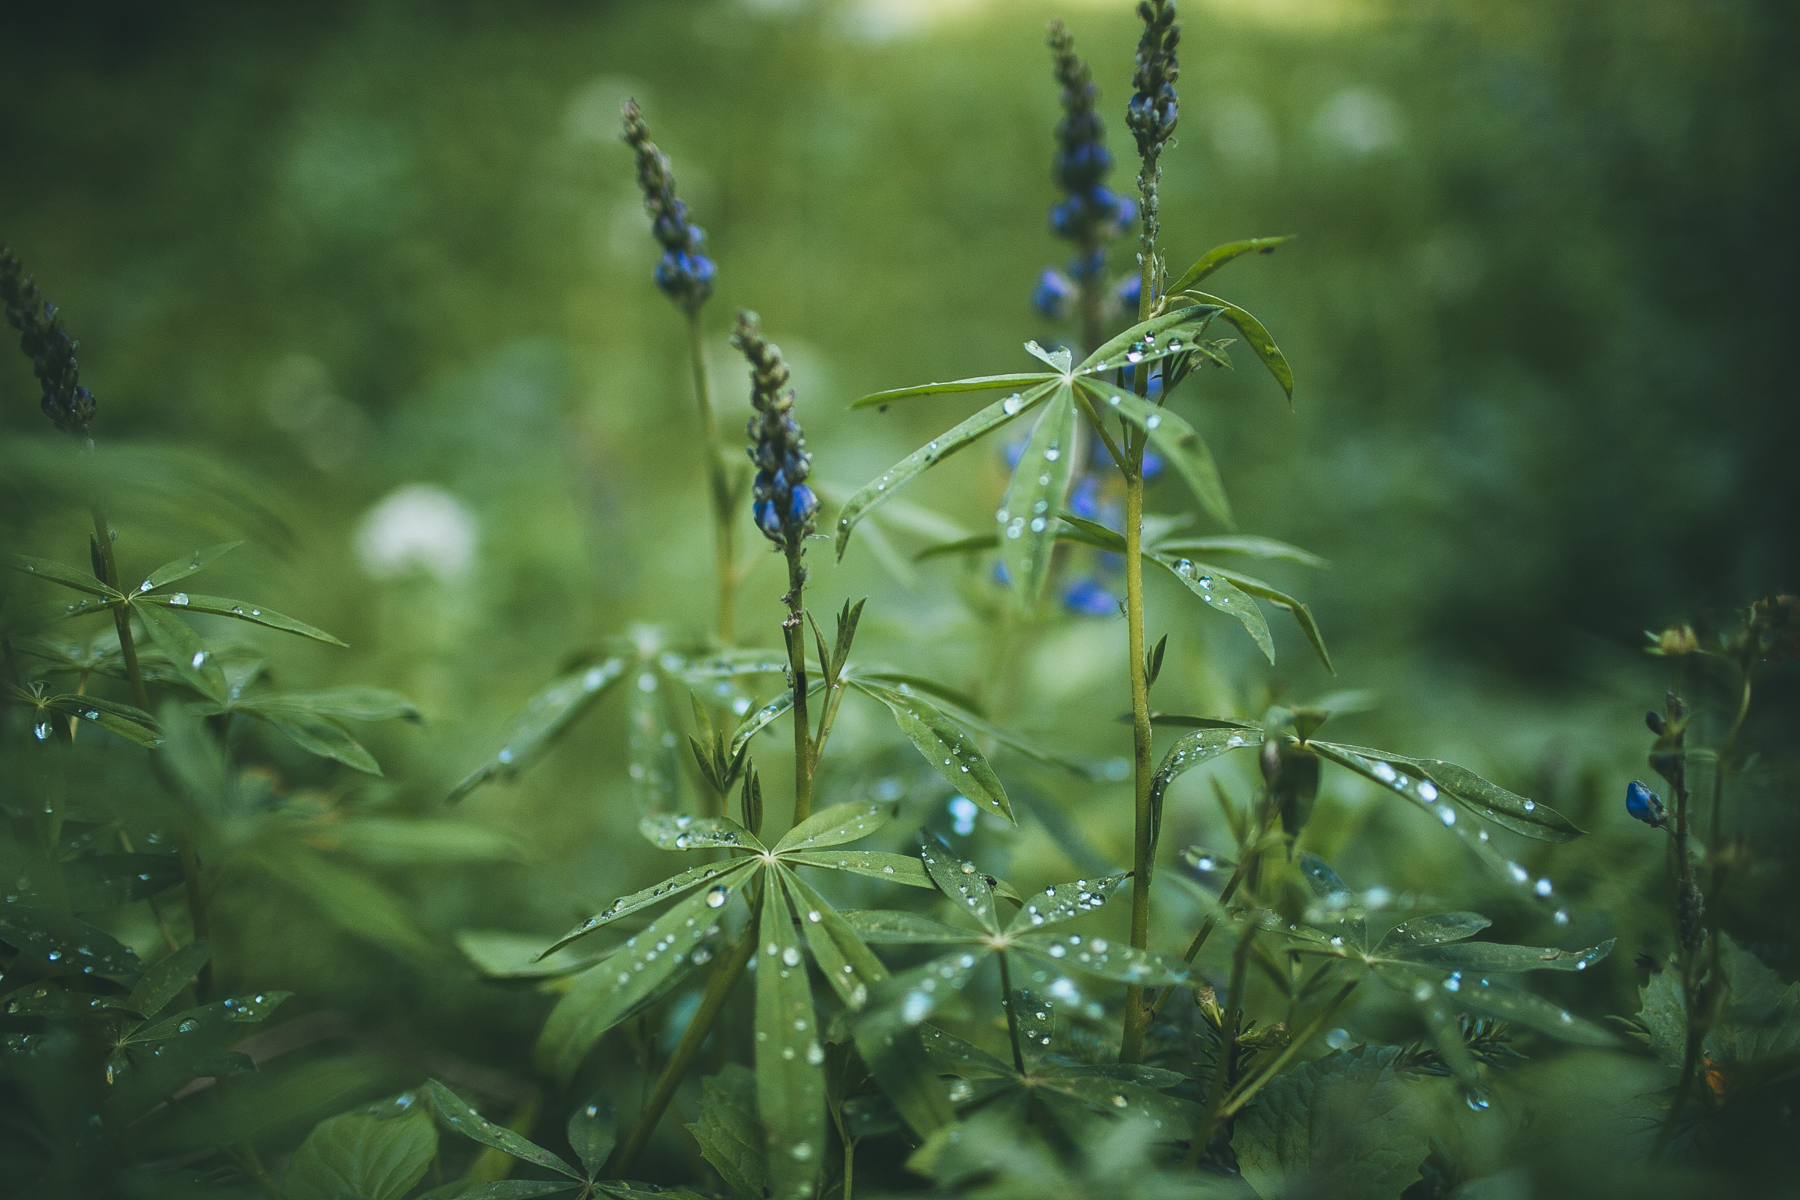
782	504
685	275
1152	113
1091	213
1644	805
51	350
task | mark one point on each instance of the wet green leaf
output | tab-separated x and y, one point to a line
365	1157
132	724
1258	339
1202	745
321	736
895	927
731	664
1039	484
962	881
729	1133
1249	545
836	825
1175	439
1105	958
949	749
848	965
678	831
1524	1008
545	717
980	383
247	1009
656	893
1219	255
186	565
69	577
963	1058
47	1000
1301	613
1498	958
593	1131
1171	330
876	864
164	979
241	610
908	998
759	720
651	741
1218	591
790	1079
95	882
939	448
1433	930
499	954
353	703
1065	901
1335	894
1460	785
192	661
507	1189
388	840
457	1114
63	945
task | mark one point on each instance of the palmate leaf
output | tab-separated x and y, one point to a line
610	991
850	967
790	1076
1219	255
1066	901
186	653
836	825
1129	348
164	979
593	1131
676	831
1040	482
943	446
1202	745
545	717
656	893
1175	439
362	1156
1459	785
69	577
876	864
240	610
945	745
900	928
1257	337
186	565
962	881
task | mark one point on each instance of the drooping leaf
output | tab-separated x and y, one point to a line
1175	439
458	1115
1258	339
1301	613
164	979
729	1133
240	610
790	1079
362	1156
186	653
980	383
321	736
1202	745
836	825
876	864
1065	901
943	446
1219	255
945	745
1040	482
656	893
1219	592
678	831
186	565
545	716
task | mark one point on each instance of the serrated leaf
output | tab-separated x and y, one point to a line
355	703
790	1079
1066	901
458	1115
321	736
247	1009
962	881
898	928
979	383
945	745
1257	338
678	831
610	991
876	864
544	718
1219	592
849	967
1034	497
69	577
1250	545
836	825
186	565
361	1156
186	653
240	610
656	893
729	1133
1105	958
1346	1125
1219	255
1178	441
164	979
593	1131
1433	930
943	446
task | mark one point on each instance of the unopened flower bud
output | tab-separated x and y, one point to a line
1644	805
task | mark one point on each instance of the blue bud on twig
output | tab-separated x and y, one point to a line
1644	805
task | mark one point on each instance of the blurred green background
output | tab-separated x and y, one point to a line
1540	311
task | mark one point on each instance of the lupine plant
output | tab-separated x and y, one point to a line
825	980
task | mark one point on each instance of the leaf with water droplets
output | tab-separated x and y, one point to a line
318	735
1499	958
163	980
650	740
501	954
790	1056
759	720
1433	930
187	654
239	610
1524	1008
57	945
897	928
1249	545
731	664
544	718
211	1018
132	724
593	1130
1173	1118
1105	958
961	880
1301	613
850	967
186	565
722	875
1202	745
677	831
1211	585
979	383
963	1058
909	997
1219	255
1178	441
69	577
970	715
1335	896
354	703
1168	331
836	825
948	747
876	864
939	448
457	1114
1040	482
639	970
728	1132
1258	339
362	1156
1036	1018
1066	901
1462	787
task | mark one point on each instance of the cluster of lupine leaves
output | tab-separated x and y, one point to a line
849	988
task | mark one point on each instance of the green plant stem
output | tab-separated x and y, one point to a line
724	493
794	630
1206	928
1137	1017
1012	1017
1090	299
718	990
196	898
121	613
849	1165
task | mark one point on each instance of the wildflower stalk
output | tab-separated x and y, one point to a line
725	491
1151	118
793	629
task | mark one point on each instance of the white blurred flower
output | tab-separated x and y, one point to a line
417	527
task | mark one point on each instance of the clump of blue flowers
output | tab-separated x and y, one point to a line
1089	213
51	350
685	275
782	504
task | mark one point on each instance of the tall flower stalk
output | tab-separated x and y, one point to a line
1151	119
685	275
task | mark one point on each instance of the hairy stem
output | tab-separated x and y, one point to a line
718	990
1012	1017
719	476
794	630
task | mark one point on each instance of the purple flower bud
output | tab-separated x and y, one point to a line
1644	805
